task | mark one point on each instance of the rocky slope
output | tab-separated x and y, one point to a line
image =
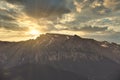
88	58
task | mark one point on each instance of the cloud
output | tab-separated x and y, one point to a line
113	4
4	15
52	9
63	15
94	9
8	18
93	29
43	8
12	26
86	29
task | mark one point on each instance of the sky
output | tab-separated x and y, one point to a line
27	19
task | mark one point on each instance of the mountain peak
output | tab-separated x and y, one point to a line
57	36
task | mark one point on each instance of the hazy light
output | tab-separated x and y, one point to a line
34	33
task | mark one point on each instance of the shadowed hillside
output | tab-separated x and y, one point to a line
38	72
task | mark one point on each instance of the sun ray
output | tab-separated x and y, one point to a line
34	33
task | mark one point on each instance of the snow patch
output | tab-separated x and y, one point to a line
104	45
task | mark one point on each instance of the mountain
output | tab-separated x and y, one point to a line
62	55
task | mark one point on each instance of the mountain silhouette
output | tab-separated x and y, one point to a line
60	55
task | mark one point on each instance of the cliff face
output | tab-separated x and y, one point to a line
84	57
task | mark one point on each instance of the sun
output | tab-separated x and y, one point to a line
35	33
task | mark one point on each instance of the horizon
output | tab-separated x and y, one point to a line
97	19
58	34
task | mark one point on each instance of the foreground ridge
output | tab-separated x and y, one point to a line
86	58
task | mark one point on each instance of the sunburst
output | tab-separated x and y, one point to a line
34	33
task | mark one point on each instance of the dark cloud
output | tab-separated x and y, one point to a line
12	26
101	10
88	29
111	4
97	8
6	18
50	9
43	8
93	29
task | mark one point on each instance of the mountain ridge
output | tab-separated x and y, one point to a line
53	34
87	57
